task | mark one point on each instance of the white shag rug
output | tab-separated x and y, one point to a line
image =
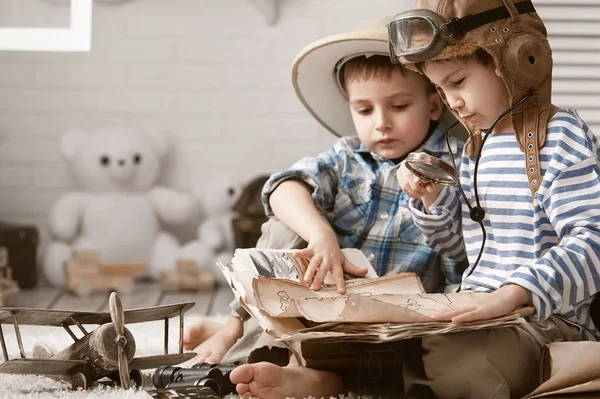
148	339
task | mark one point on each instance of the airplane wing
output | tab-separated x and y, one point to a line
52	317
42	366
152	362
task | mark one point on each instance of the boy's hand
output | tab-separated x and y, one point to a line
326	256
501	302
415	187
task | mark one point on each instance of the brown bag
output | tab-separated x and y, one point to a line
20	243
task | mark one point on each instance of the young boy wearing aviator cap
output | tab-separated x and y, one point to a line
348	196
534	174
532	181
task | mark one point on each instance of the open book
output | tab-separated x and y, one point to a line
270	285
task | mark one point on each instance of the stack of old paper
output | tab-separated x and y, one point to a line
270	285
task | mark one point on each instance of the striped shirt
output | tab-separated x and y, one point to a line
549	245
357	191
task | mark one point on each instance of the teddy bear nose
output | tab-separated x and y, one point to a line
121	162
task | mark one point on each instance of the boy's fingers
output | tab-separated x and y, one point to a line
318	280
352	269
338	277
320	276
449	314
527	311
304	253
473	315
311	269
423	182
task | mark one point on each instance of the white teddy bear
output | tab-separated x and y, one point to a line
118	211
215	241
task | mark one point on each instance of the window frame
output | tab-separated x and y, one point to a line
77	37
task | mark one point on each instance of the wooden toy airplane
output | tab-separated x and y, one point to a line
107	351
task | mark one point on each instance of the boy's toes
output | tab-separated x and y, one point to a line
242	389
199	331
188	346
216	356
242	375
202	354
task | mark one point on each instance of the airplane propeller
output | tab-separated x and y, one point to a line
118	319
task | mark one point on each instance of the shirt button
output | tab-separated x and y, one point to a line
371	257
384	216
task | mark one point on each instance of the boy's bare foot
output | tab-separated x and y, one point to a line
211	340
213	349
267	380
199	331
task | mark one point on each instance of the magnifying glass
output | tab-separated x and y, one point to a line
431	169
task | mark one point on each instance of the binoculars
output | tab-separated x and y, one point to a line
214	376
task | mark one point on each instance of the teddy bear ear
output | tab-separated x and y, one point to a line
70	143
158	139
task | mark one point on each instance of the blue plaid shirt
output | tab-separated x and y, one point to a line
357	191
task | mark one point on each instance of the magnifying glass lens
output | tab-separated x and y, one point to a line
431	169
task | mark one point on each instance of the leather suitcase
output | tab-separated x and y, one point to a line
19	244
250	214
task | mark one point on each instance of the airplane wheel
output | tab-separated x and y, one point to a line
79	380
137	377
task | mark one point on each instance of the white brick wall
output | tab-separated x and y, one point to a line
211	73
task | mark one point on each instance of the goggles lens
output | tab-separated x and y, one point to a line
413	34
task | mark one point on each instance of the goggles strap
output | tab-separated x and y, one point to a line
459	26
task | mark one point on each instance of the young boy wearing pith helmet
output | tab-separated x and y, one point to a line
348	196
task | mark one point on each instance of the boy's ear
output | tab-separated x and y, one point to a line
436	106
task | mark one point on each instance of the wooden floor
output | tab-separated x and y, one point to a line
145	294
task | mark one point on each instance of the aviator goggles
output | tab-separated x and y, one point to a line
419	35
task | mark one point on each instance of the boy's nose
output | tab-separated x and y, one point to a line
455	102
383	122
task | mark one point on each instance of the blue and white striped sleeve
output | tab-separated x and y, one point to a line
567	273
320	173
441	224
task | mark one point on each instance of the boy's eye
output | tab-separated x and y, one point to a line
364	111
458	82
400	106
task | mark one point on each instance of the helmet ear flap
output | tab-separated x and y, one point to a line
527	61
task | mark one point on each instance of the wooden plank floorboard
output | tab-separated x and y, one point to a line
40	297
202	300
146	294
93	303
222	296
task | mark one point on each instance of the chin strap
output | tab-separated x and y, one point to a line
531	125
